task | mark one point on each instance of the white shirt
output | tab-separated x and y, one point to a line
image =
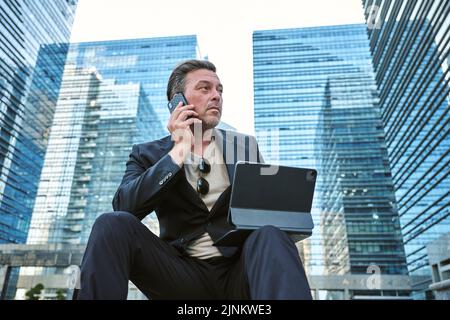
202	247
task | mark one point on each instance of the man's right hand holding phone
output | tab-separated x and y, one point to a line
179	126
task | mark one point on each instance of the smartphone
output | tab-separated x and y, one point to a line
176	100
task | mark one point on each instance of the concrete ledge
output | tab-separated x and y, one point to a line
439	286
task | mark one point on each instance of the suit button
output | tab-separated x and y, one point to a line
170	174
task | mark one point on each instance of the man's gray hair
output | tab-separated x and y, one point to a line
177	79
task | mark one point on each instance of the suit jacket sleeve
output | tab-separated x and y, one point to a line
142	186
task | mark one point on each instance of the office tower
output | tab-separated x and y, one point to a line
29	84
96	123
356	198
145	61
106	104
109	100
409	41
316	107
28	90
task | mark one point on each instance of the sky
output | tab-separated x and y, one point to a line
223	28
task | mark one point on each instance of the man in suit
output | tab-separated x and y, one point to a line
186	179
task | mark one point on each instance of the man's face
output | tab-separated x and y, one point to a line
204	90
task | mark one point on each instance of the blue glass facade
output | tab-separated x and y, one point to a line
96	122
410	43
316	106
110	97
145	61
32	37
28	89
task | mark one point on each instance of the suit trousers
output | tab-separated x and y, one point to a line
121	248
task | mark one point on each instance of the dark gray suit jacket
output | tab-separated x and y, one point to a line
153	182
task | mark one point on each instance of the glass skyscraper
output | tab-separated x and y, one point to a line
96	123
356	199
316	106
410	43
146	61
113	95
29	84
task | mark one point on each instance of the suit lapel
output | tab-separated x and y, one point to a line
166	146
194	195
233	150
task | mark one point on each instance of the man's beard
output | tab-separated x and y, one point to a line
210	123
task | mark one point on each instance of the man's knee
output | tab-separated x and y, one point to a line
268	232
116	221
268	236
116	217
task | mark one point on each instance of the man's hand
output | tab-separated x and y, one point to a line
179	127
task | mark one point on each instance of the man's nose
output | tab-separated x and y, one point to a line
216	95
